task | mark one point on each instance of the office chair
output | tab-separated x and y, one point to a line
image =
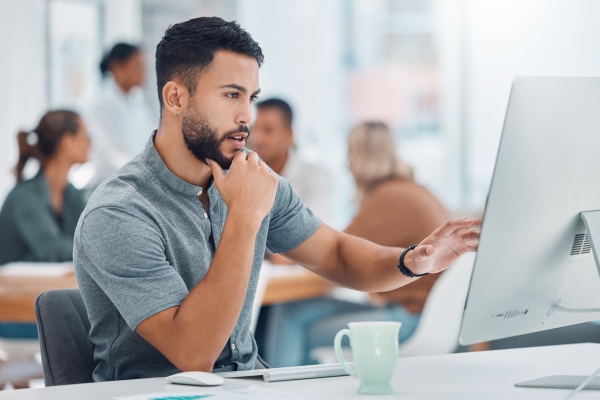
261	288
63	326
439	325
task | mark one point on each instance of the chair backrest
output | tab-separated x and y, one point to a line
261	288
439	325
63	326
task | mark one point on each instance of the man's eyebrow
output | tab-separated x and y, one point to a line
234	86
238	87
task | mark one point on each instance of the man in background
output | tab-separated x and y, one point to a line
273	138
120	119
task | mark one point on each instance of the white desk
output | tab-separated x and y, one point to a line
483	375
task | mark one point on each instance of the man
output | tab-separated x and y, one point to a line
168	250
120	119
272	138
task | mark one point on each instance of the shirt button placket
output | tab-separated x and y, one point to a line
234	353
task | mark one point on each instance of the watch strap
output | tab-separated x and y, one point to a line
405	271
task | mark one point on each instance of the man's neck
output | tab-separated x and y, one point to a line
278	164
179	160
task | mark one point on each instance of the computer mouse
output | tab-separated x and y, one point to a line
196	378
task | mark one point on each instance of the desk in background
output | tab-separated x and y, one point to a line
17	293
488	375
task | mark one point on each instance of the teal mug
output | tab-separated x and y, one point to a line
374	350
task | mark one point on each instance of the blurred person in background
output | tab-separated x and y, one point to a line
120	120
394	210
273	139
39	216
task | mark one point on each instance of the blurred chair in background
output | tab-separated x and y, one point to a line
272	138
120	120
39	216
393	211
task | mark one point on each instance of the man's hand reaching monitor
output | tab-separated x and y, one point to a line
444	246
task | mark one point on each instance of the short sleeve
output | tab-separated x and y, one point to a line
292	222
123	251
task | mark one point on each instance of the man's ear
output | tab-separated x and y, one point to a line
290	137
175	98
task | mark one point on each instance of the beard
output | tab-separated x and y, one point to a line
203	140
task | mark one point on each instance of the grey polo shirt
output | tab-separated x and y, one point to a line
144	241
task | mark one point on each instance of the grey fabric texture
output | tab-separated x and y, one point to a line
144	241
29	228
63	326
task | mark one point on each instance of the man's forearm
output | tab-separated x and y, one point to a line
359	264
368	267
196	332
350	261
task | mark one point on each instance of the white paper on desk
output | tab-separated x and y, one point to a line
250	393
31	269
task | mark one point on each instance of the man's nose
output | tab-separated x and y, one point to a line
244	116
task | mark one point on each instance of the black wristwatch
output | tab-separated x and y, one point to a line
403	268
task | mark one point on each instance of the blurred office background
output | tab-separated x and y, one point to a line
438	71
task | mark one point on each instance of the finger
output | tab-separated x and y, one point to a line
239	157
464	231
422	251
263	164
472	246
253	157
470	236
459	231
450	226
217	171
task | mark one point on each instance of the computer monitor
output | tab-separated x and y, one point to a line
536	267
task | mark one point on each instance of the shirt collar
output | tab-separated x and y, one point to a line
158	166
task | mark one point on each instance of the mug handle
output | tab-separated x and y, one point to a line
337	346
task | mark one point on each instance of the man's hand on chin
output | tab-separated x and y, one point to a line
444	246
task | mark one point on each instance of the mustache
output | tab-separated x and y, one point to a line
239	129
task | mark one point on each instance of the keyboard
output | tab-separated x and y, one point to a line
290	373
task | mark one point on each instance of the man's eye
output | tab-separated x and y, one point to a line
232	95
253	98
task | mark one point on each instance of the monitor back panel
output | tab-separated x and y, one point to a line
534	249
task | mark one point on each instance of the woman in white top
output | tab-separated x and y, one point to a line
120	120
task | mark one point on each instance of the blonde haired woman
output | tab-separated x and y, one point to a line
393	210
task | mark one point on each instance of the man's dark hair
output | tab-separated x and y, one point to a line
282	106
188	48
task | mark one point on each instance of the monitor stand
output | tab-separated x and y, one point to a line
560	382
591	219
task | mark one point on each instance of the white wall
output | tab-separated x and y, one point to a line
22	77
122	22
447	22
481	45
304	64
509	38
